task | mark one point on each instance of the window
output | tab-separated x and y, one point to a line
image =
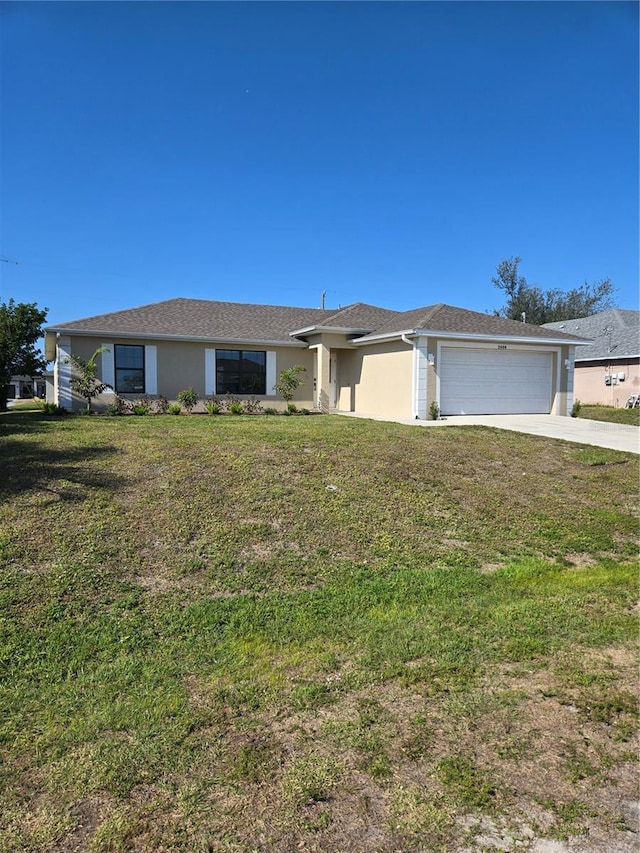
241	372
129	369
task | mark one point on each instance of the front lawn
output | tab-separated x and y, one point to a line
610	414
282	634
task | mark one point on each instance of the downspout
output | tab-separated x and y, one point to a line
414	378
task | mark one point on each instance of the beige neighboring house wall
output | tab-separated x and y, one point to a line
602	384
376	380
607	367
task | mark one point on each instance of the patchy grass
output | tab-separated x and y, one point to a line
610	414
204	647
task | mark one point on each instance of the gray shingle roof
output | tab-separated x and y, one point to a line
615	334
237	321
202	318
446	318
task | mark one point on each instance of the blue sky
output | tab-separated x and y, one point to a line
391	153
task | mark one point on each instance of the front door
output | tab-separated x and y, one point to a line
333	381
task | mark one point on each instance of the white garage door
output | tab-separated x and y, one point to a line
494	381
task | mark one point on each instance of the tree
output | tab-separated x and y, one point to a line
289	381
548	306
20	328
85	382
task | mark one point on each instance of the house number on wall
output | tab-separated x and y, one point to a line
502	346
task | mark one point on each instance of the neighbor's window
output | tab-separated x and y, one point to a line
129	367
241	372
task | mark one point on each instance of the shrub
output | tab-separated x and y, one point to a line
188	399
175	409
230	400
434	411
84	380
48	408
160	405
140	409
269	410
119	406
236	408
292	408
289	381
213	406
575	409
305	412
252	406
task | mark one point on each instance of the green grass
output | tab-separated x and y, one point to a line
610	414
205	648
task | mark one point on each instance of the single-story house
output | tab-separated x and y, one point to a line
360	358
607	370
25	387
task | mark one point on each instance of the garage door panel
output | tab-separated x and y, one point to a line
492	381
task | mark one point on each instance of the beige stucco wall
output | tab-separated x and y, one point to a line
376	380
591	388
181	364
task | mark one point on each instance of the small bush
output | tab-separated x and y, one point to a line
119	406
252	406
160	405
213	407
141	406
269	410
236	408
292	408
305	411
188	399
175	409
575	409
48	408
434	411
229	401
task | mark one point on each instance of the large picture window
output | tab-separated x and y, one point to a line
129	369
241	372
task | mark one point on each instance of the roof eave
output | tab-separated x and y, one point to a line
149	336
479	336
608	357
315	330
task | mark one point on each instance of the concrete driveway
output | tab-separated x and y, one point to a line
580	430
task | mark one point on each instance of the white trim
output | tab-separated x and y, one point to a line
151	369
420	372
345	330
147	336
210	371
555	401
467	336
107	367
570	379
271	372
62	373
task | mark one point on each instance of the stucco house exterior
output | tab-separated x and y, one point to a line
25	387
360	358
607	370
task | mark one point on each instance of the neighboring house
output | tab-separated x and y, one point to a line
25	387
607	370
360	358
